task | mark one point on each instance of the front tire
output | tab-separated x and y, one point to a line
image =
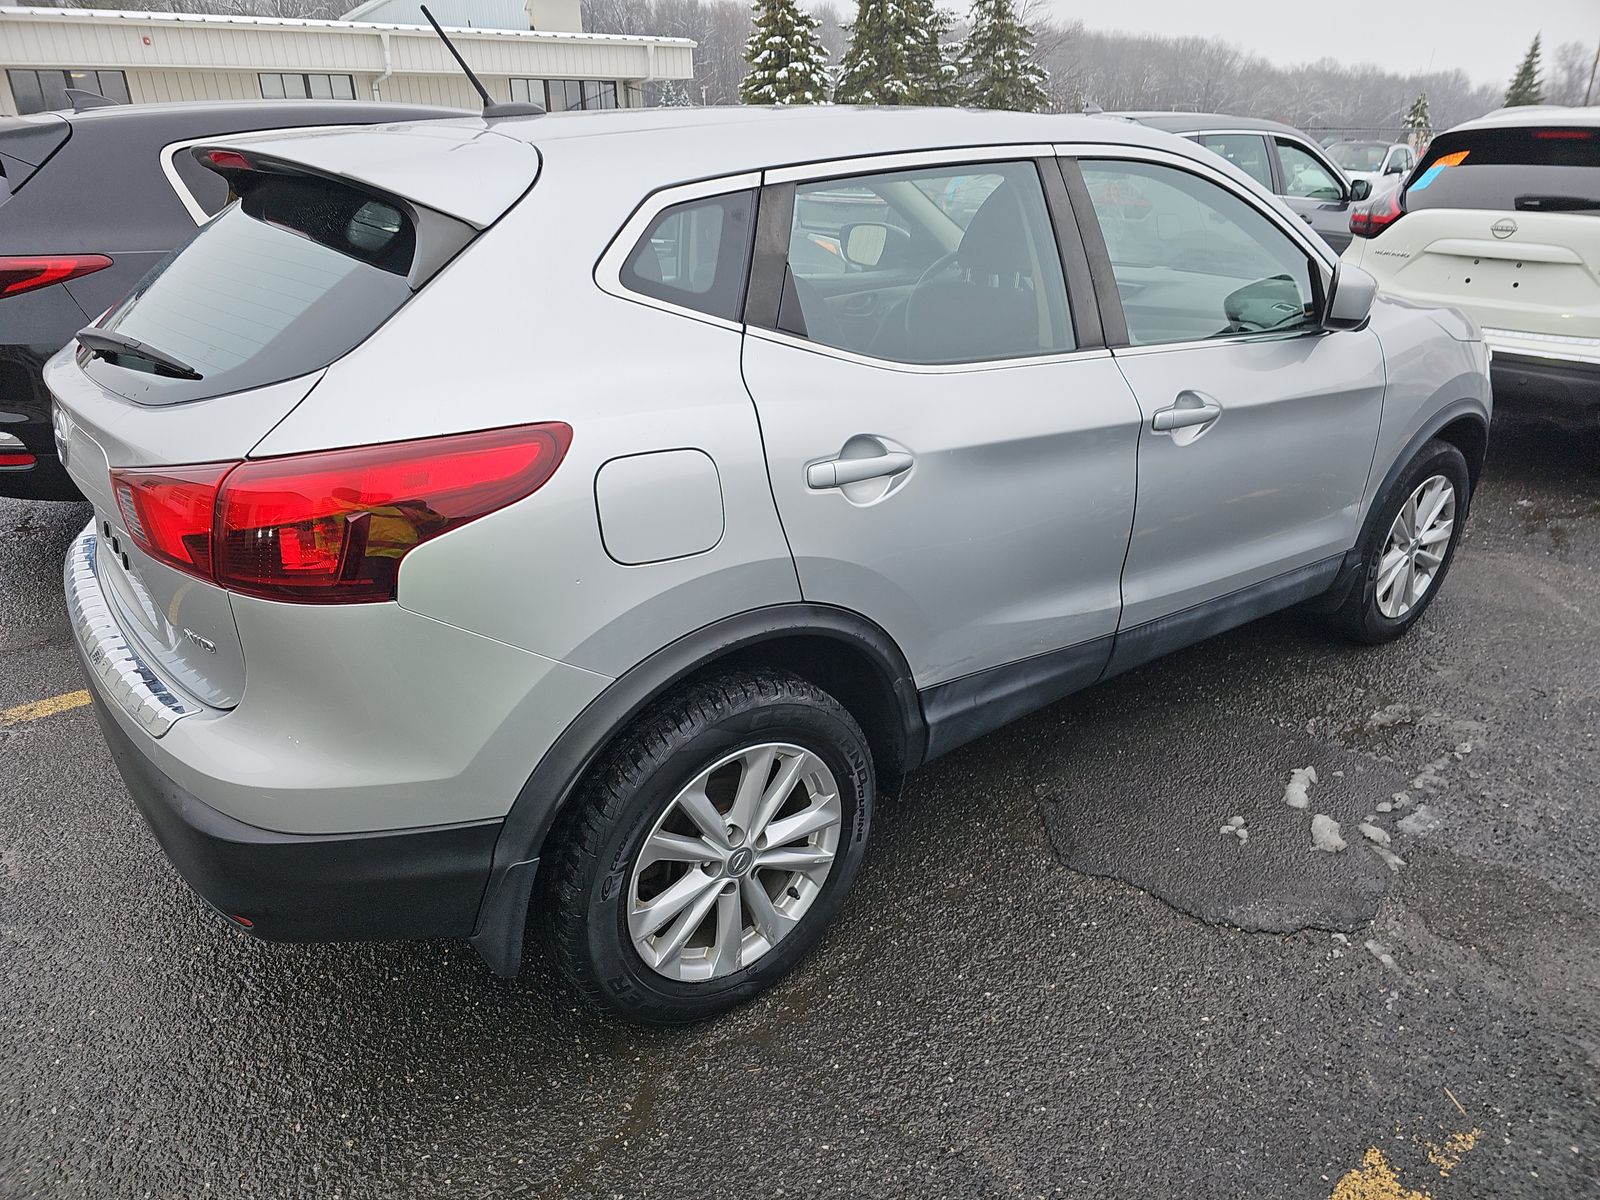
1410	545
710	849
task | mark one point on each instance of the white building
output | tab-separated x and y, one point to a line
380	50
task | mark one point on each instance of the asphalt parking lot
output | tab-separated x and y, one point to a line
1058	976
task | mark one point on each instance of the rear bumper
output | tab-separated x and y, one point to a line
289	887
310	888
1549	386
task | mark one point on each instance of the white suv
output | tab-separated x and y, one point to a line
1502	220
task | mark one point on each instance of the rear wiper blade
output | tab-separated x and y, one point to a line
1556	204
105	341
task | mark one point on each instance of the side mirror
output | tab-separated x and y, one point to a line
1360	189
864	244
1350	298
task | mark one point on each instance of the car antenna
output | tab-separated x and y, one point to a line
491	108
83	100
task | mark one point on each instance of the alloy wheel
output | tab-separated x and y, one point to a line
1417	543
734	862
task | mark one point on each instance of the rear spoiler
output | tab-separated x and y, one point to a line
440	236
26	144
456	167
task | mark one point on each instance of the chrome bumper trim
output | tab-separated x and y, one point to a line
1561	347
122	675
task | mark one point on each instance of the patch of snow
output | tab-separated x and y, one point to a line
1325	834
1374	834
1421	822
1394	861
1300	780
1381	952
1384	806
1393	714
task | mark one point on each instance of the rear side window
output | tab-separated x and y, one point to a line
1509	170
300	271
1247	151
696	255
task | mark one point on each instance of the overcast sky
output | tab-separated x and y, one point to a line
1484	38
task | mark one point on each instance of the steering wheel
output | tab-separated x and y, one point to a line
942	263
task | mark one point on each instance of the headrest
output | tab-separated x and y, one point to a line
994	243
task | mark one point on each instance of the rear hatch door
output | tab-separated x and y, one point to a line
221	341
1504	223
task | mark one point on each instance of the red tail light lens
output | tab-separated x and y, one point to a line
333	527
1372	219
27	272
169	512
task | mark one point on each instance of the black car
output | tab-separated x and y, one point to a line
89	201
1278	157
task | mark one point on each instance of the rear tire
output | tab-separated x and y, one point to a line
677	890
1410	544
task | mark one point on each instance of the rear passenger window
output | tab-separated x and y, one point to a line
696	255
939	265
1247	151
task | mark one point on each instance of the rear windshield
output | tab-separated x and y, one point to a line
294	275
1511	170
1359	156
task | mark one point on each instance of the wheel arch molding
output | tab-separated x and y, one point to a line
840	651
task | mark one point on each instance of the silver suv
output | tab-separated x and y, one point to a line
580	516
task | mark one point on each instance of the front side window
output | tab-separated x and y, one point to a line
1304	177
950	264
307	87
46	91
1192	260
695	255
1247	151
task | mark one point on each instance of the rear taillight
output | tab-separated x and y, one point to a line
13	453
26	272
333	527
1372	219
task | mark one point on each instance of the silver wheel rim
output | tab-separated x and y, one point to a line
734	863
1416	547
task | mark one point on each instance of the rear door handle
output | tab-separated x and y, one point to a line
839	471
1191	409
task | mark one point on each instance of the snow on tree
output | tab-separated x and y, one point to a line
1419	125
673	96
787	62
1526	87
897	55
996	65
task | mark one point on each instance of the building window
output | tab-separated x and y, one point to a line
566	95
46	91
307	87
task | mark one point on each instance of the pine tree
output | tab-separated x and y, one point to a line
673	95
787	62
896	55
1526	87
997	67
1419	125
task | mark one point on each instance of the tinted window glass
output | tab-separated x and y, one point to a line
210	190
1531	170
1248	152
1304	176
940	265
696	255
1192	260
293	276
1358	156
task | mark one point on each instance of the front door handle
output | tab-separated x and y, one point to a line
837	472
1191	409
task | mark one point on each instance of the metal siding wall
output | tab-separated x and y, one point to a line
192	60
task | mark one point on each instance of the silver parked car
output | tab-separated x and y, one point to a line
581	515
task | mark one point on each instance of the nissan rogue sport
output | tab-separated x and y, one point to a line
580	516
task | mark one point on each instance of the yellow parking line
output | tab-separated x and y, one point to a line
44	708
